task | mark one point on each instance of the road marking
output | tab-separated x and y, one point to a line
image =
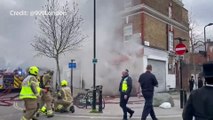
110	117
15	105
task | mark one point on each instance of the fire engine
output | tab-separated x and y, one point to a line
11	80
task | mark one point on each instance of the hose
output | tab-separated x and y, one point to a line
6	100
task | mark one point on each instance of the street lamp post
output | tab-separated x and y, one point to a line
94	62
205	40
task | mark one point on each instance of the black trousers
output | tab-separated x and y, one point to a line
191	87
123	103
148	107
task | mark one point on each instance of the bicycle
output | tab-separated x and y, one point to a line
85	99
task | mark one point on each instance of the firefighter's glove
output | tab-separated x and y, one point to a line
44	90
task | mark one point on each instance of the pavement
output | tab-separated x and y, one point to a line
113	108
112	111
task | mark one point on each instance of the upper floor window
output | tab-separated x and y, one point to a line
171	41
128	31
170	10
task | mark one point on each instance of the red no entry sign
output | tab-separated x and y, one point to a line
180	49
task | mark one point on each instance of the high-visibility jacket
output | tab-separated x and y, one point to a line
26	90
124	87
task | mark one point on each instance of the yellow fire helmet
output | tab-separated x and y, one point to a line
34	70
64	83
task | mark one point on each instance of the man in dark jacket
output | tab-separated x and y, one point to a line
125	90
147	82
200	82
199	104
191	83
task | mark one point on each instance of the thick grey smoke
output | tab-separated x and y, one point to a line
112	53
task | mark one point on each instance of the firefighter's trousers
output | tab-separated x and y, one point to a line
31	107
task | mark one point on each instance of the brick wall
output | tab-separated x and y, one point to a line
159	5
136	22
155	32
185	20
182	34
180	14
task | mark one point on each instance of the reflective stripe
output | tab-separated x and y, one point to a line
23	118
65	95
124	85
59	107
17	82
43	109
49	112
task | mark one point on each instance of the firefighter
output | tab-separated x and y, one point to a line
64	103
46	97
30	93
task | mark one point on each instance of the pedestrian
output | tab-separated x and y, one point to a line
147	82
191	83
64	103
125	88
199	103
46	97
30	93
200	82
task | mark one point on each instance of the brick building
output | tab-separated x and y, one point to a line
154	24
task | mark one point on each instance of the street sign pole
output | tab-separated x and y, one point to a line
181	84
181	49
71	80
71	65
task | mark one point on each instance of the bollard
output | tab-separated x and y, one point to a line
100	110
185	97
87	103
181	98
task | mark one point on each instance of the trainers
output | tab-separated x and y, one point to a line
131	114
